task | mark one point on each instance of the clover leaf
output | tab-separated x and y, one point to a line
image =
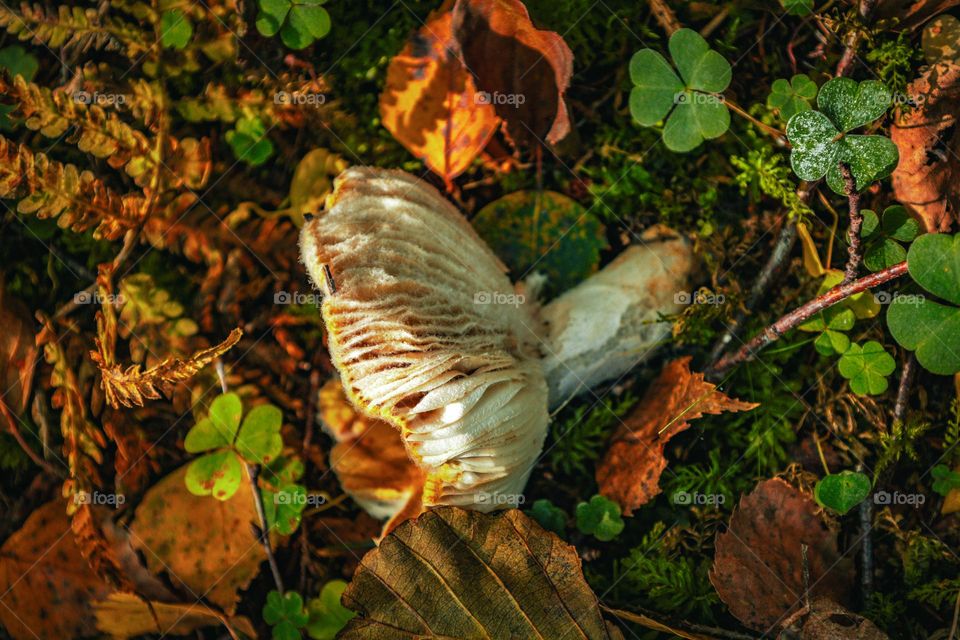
259	439
842	491
600	517
883	236
299	22
790	97
284	507
218	474
797	7
832	323
867	368
929	328
175	29
327	615
249	141
220	426
822	140
550	517
690	102
285	614
945	479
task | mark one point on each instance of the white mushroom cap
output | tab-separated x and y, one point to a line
415	330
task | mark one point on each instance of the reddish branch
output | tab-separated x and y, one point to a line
856	223
664	16
799	315
853	40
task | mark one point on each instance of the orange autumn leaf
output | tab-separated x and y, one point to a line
430	101
370	459
630	471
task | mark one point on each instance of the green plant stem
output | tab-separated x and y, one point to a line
778	135
802	313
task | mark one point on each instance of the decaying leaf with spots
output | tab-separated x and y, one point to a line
758	566
370	460
45	584
205	546
630	471
927	180
453	573
430	103
131	387
523	71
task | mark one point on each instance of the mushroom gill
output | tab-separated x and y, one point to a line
417	330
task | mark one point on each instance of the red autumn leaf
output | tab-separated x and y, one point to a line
927	180
430	101
523	71
758	566
18	353
630	471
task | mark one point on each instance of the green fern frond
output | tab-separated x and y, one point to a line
77	27
51	189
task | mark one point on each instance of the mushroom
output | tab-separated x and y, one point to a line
429	335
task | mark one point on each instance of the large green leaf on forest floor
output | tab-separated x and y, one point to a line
543	231
821	139
688	98
454	573
930	328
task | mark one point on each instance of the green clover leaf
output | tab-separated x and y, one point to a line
550	517
842	491
793	96
219	428
600	517
867	368
284	508
299	22
259	439
249	141
832	323
286	614
945	479
218	474
929	328
883	236
327	615
175	29
798	7
821	139
690	102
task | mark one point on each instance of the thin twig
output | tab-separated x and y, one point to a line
679	629
903	391
855	250
854	38
664	16
866	548
799	315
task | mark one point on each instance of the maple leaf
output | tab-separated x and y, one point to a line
758	566
431	104
630	471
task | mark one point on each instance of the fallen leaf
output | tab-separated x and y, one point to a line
826	620
758	566
913	13
370	460
18	353
523	71
630	471
205	546
45	584
454	573
430	103
125	615
927	180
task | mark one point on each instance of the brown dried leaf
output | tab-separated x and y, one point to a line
205	546
125	615
826	620
454	573
912	13
524	70
46	584
18	353
430	101
370	460
758	566
131	387
630	471
927	180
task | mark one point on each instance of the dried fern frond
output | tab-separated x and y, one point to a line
76	27
52	189
131	387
